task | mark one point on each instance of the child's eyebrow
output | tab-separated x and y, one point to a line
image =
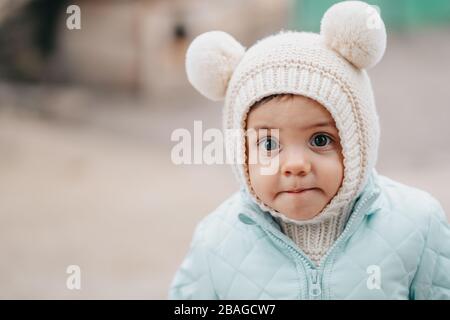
263	126
326	123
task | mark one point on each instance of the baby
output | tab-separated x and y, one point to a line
324	224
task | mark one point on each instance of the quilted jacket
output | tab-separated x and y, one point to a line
396	245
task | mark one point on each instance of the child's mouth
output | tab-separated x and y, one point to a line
300	191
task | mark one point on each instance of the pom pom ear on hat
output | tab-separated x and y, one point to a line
356	31
210	61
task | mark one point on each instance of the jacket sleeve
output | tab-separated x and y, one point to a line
193	278
432	279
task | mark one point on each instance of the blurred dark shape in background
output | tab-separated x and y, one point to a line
28	31
133	46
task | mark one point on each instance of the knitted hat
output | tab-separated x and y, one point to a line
329	67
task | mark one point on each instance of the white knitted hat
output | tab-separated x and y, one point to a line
329	67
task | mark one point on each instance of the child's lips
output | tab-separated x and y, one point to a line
299	191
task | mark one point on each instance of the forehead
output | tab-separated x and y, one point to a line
294	111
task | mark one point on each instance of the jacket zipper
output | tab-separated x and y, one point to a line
315	289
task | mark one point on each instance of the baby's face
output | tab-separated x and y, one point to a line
309	156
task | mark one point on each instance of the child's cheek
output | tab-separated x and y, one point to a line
255	178
263	185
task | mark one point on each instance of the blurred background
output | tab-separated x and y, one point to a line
86	116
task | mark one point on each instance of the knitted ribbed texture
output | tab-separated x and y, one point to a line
315	239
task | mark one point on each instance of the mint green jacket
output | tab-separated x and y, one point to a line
396	245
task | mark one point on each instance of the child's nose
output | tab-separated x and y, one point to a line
296	163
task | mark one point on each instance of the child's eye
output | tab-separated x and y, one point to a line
321	140
269	143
